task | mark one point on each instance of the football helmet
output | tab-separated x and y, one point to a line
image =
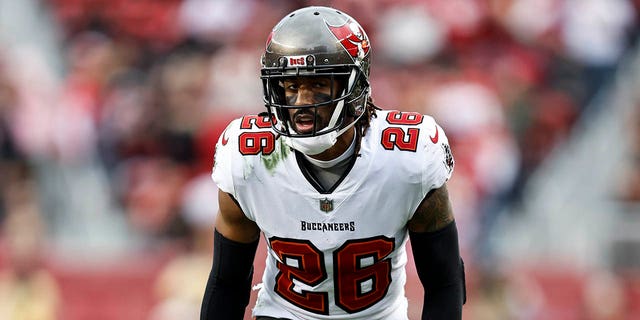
317	42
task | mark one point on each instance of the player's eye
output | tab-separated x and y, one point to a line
319	84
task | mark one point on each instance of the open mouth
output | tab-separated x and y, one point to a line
304	122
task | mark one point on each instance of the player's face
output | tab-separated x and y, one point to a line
309	90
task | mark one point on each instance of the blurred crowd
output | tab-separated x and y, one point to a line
148	86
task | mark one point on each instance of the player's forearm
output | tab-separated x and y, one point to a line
441	271
444	303
228	288
224	301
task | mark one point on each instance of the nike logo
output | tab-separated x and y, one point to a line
434	139
224	138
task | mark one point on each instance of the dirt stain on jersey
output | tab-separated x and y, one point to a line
271	161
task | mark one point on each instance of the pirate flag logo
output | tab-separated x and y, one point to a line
352	38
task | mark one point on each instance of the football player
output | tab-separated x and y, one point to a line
335	185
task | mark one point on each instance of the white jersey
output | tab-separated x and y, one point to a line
336	254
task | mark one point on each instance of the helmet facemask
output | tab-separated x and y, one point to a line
346	102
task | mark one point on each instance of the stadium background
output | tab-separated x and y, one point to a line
109	111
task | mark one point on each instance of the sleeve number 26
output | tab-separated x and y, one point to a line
405	139
362	275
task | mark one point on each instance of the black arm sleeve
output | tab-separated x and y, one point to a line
229	286
441	271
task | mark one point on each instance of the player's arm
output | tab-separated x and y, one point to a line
235	242
434	242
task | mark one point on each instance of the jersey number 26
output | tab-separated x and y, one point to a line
361	273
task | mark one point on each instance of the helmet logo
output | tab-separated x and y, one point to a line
296	61
352	38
